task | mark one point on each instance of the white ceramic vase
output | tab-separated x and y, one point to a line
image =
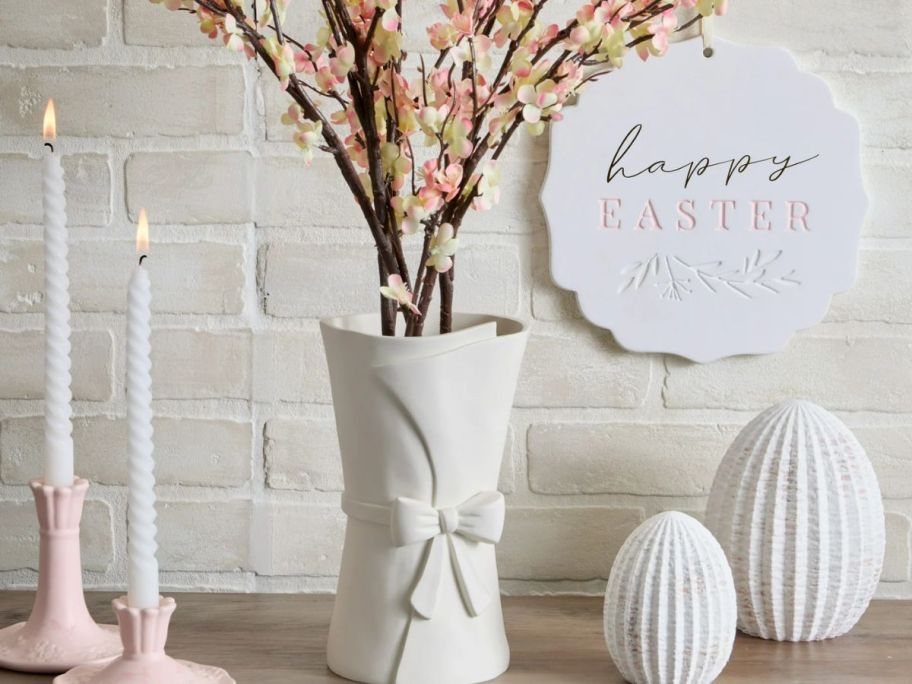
670	610
422	424
796	506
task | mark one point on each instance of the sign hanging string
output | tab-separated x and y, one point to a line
706	31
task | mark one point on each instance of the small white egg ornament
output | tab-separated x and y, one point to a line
670	606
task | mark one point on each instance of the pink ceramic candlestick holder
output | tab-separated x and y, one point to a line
60	633
144	633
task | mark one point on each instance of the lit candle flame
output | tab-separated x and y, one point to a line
142	233
50	122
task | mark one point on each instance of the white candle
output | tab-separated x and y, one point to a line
58	426
142	578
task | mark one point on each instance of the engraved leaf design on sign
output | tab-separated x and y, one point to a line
675	279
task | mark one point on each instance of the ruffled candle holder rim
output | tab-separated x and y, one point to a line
80	484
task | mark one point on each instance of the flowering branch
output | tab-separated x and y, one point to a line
420	152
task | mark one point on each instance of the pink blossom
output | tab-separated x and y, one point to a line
343	62
513	16
397	290
390	20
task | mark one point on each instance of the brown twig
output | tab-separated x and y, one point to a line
446	300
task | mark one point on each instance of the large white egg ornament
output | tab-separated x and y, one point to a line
796	506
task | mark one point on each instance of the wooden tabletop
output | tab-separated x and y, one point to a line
280	639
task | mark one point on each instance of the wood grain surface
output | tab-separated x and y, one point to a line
280	639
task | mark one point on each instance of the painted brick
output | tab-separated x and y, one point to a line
195	364
657	460
212	187
780	22
889	188
313	281
51	24
582	368
880	102
123	102
22	364
19	536
841	374
899	550
290	193
154	25
187	277
890	451
22	284
303	454
303	21
205	536
300	540
188	451
575	543
276	102
519	209
290	366
88	189
883	291
196	277
550	302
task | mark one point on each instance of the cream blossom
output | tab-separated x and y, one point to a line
283	57
513	16
411	210
660	29
308	133
488	186
443	247
396	164
540	101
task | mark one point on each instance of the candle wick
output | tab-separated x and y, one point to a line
141	258
50	145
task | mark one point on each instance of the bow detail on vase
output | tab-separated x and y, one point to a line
480	519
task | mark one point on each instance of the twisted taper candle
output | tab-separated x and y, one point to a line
58	427
141	546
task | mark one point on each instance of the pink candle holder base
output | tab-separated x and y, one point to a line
59	633
52	648
144	633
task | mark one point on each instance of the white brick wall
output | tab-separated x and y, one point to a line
88	190
249	249
199	277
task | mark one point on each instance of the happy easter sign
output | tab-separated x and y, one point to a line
705	207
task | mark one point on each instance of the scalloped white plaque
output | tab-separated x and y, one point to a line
705	207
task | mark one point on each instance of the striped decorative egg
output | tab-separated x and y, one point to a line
796	506
670	609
